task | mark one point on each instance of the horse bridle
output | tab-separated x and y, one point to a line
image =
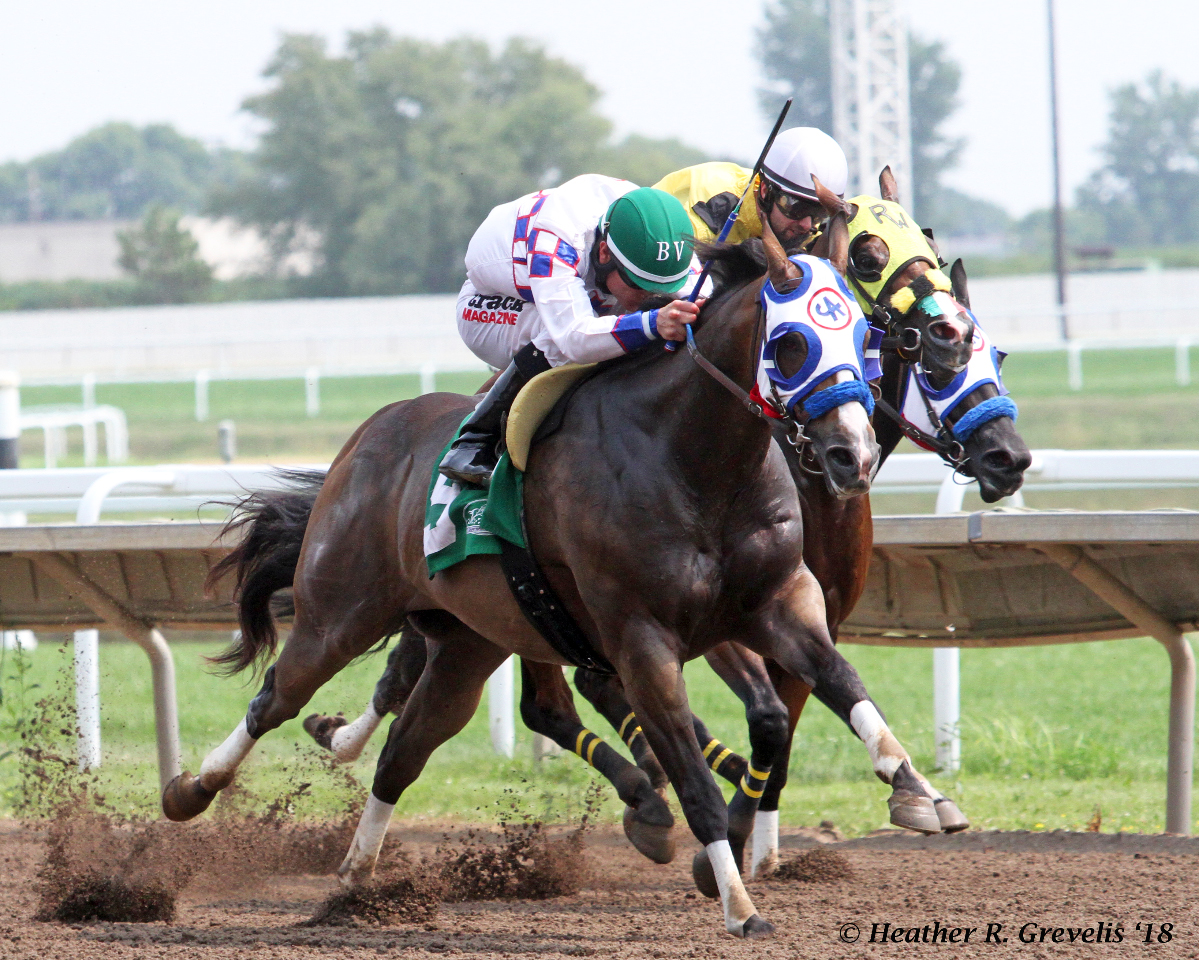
943	443
795	434
906	346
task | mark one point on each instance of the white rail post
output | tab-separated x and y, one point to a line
89	390
10	419
201	395
500	696
1182	361
947	707
1074	364
312	391
87	697
947	687
428	378
148	637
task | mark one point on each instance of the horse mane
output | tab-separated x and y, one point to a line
733	264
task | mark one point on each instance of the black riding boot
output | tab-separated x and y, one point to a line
473	456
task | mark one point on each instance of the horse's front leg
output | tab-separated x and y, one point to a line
652	674
746	675
795	635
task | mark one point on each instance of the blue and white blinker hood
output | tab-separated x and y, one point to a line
823	311
983	367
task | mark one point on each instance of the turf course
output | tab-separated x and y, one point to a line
1050	734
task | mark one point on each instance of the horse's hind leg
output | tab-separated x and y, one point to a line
547	707
441	704
606	694
308	660
347	739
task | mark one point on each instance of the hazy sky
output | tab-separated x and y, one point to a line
668	68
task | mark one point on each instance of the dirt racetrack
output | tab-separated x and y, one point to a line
630	908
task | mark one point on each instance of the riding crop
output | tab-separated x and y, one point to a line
733	214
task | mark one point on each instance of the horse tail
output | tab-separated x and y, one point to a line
265	561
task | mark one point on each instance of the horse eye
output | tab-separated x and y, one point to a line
790	355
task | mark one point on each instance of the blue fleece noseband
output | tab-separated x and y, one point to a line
822	401
990	409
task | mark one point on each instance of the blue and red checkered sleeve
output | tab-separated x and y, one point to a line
634	330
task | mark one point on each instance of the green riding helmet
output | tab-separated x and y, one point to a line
649	234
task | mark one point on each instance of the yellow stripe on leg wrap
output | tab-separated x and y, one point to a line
627	720
716	761
712	745
753	784
581	739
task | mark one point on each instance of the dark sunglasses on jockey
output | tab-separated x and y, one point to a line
793	206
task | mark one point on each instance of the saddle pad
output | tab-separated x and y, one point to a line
462	520
533	404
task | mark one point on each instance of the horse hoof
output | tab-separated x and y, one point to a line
321	728
952	819
704	876
913	811
650	839
185	798
755	928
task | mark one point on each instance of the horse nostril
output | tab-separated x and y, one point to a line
945	332
842	458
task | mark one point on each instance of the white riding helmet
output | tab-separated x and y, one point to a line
798	153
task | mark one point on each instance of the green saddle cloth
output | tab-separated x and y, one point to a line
462	520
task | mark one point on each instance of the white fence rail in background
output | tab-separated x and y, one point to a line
55	421
85	492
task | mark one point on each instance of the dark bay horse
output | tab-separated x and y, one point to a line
664	514
837	548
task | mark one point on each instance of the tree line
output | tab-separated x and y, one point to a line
383	159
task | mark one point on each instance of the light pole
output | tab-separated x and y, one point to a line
1059	232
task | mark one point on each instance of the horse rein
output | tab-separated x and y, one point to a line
794	428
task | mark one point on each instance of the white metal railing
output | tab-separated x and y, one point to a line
1050	470
86	492
165	488
55	421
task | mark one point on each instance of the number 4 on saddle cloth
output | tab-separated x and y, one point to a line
463	521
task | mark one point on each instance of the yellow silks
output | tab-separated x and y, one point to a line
700	183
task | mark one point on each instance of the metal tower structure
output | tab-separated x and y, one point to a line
871	112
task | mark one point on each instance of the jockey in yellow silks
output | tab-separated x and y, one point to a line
784	190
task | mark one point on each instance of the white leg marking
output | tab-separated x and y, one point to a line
928	787
764	860
359	863
737	906
885	752
348	741
218	767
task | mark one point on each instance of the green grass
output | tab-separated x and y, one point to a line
1049	734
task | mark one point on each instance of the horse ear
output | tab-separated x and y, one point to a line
957	280
887	185
783	273
838	227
